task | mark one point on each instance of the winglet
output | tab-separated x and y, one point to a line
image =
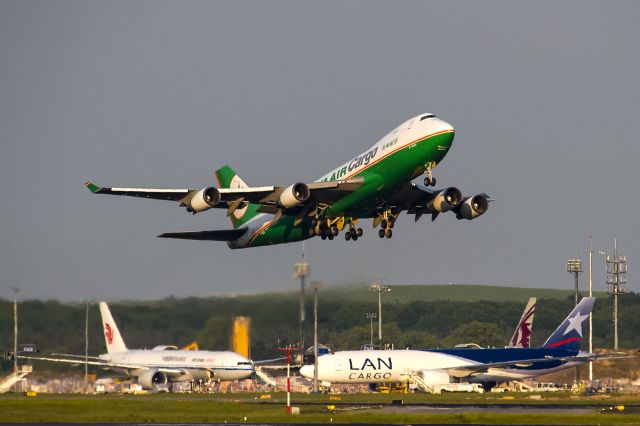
92	187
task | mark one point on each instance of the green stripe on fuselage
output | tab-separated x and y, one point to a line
381	181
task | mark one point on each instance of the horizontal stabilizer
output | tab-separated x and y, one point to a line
221	235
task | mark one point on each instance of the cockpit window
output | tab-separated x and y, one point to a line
243	363
427	116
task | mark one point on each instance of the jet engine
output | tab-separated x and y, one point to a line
434	377
150	378
472	207
204	200
447	199
294	195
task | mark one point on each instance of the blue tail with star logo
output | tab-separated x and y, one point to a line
573	328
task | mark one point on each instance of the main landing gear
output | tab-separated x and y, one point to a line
353	233
324	229
386	225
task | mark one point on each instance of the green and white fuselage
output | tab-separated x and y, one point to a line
386	167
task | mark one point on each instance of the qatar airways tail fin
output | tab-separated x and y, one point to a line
112	336
522	335
570	333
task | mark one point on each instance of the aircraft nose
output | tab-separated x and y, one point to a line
307	371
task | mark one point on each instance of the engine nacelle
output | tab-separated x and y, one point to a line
447	199
473	207
204	199
150	378
435	377
294	195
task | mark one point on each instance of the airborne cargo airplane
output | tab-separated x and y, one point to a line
161	364
375	184
440	366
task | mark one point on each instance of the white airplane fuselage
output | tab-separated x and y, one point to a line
220	365
383	366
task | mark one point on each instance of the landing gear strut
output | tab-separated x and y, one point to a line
429	180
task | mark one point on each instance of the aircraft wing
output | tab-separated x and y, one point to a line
267	196
474	369
419	199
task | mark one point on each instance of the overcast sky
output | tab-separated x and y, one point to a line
544	97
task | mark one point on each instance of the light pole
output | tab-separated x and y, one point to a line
379	288
371	316
301	270
86	347
590	313
15	290
315	285
574	266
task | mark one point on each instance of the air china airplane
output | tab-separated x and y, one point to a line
161	364
374	185
441	366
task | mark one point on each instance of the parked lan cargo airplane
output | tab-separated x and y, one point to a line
162	364
375	184
434	367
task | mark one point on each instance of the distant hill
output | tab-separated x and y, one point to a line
452	292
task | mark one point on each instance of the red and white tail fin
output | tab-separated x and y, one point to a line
522	336
112	336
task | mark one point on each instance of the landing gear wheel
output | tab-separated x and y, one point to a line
381	233
433	181
347	235
330	236
388	233
359	232
323	234
427	181
355	237
334	230
391	223
383	224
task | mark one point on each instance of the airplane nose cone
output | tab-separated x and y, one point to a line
307	371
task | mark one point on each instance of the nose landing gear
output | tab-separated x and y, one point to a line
429	180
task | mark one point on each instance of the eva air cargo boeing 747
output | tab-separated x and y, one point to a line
376	184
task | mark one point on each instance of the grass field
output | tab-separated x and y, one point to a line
249	408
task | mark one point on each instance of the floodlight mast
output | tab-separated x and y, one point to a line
301	270
574	266
379	288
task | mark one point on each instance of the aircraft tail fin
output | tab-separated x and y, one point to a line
228	178
569	334
112	336
522	335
